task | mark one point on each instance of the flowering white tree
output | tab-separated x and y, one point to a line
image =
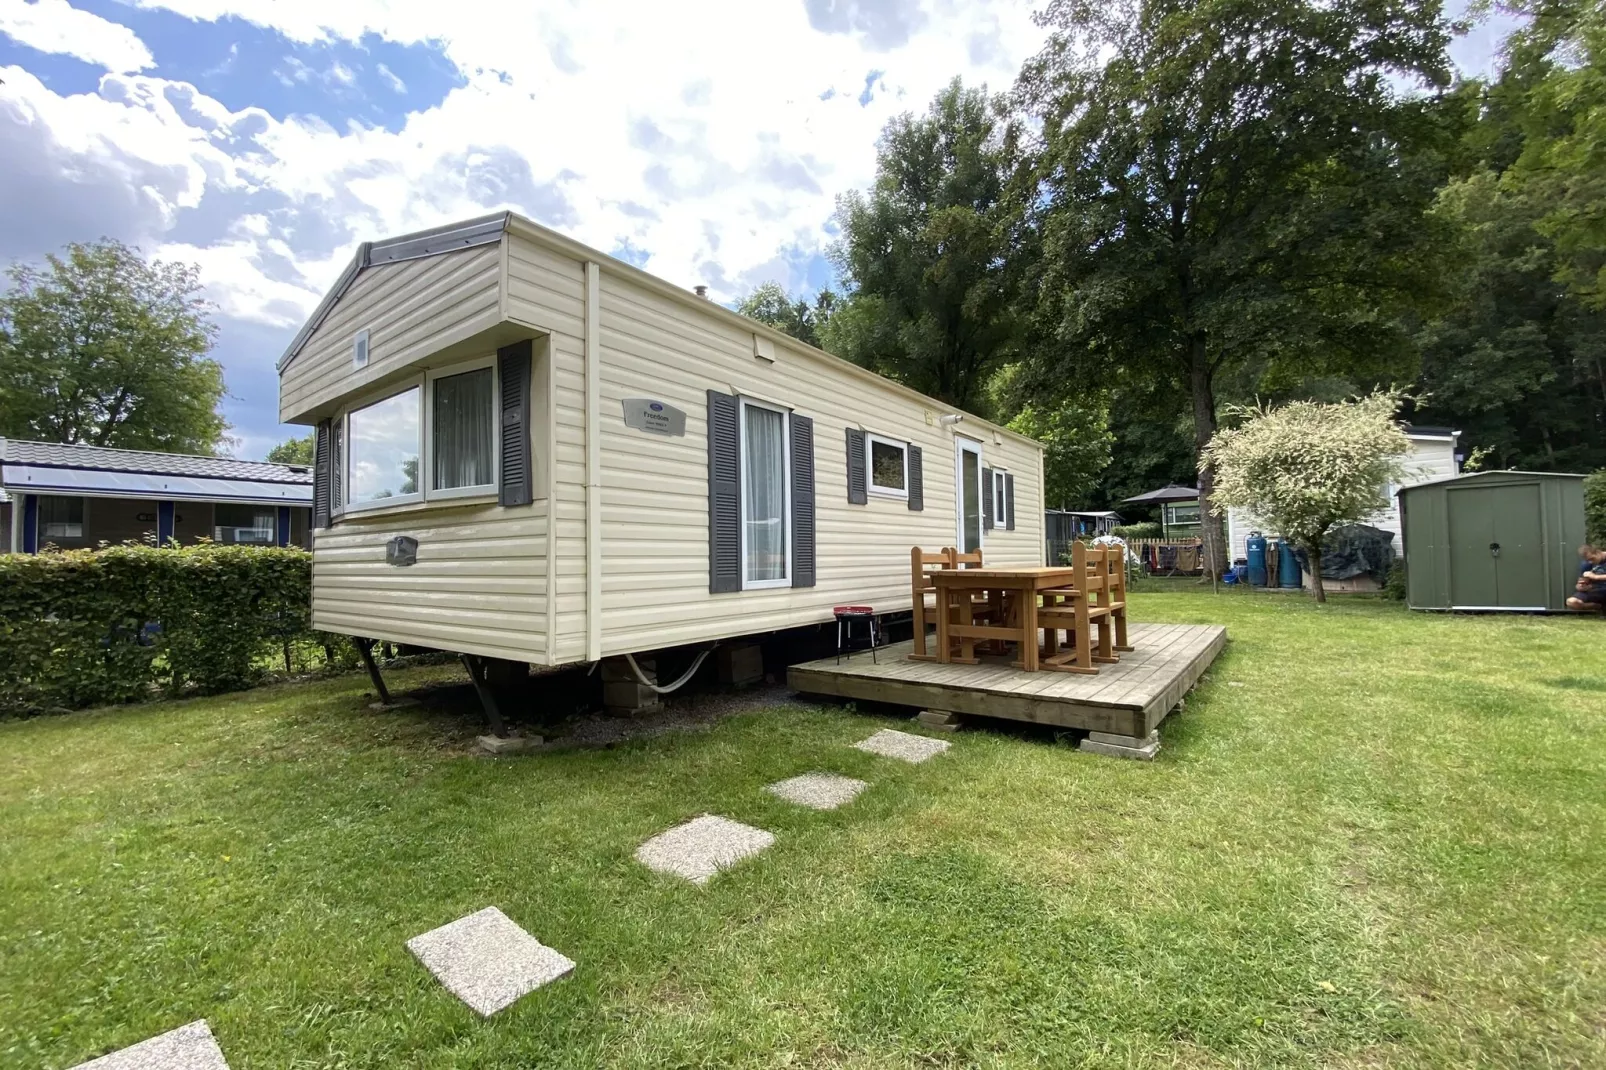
1307	467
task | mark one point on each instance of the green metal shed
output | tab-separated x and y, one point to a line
1493	541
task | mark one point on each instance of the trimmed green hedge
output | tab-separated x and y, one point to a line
1595	508
86	627
1143	529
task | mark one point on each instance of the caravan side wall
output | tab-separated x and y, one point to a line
480	583
654	504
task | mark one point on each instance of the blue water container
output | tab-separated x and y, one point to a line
1288	574
1256	548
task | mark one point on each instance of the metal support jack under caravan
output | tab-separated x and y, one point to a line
365	647
582	461
480	672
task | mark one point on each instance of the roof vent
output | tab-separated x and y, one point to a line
701	291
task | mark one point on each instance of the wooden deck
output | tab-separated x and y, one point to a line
1128	699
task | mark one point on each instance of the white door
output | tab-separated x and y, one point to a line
967	495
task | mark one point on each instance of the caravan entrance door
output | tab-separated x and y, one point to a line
967	497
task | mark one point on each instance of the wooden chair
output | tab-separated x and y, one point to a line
1115	593
920	567
1077	611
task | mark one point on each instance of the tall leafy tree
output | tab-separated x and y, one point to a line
770	304
293	451
1518	365
1518	362
102	347
1074	428
1557	61
1234	184
928	253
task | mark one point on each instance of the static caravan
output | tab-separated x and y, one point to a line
530	451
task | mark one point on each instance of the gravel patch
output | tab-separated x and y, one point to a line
890	743
818	791
487	961
702	847
189	1047
693	712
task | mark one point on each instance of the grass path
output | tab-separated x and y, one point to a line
1374	838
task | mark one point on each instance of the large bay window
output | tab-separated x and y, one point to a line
462	446
766	497
432	439
382	451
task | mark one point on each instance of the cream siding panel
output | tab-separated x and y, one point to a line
655	490
547	290
1429	459
410	309
479	585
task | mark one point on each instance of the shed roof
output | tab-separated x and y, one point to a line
1469	476
52	467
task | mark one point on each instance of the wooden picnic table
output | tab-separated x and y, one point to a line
957	587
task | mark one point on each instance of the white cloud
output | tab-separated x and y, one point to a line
696	137
55	26
391	79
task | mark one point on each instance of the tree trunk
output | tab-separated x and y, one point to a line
1315	552
1211	529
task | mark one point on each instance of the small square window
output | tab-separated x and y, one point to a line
245	525
61	518
359	349
889	467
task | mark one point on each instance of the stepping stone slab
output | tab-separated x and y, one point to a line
189	1047
487	961
818	791
702	847
890	743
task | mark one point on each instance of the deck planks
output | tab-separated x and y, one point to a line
1128	698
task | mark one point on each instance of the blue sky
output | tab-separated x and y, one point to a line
263	139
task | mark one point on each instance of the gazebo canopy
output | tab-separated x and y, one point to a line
1172	493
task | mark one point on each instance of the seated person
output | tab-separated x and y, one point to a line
1591	584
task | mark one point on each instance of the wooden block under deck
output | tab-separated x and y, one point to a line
1128	698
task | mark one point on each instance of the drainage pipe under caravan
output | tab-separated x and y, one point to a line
641	677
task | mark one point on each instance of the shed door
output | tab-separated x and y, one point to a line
1496	548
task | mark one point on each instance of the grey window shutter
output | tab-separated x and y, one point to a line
987	499
516	485
802	501
1009	501
320	475
858	489
337	466
917	483
724	493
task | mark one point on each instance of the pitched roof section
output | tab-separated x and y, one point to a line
482	230
146	462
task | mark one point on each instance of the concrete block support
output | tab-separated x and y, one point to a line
1143	748
625	696
942	720
740	663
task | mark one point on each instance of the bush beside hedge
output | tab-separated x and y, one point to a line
1595	508
86	627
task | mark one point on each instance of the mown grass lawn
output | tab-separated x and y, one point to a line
1374	838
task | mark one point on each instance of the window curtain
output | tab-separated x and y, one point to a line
766	494
462	430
